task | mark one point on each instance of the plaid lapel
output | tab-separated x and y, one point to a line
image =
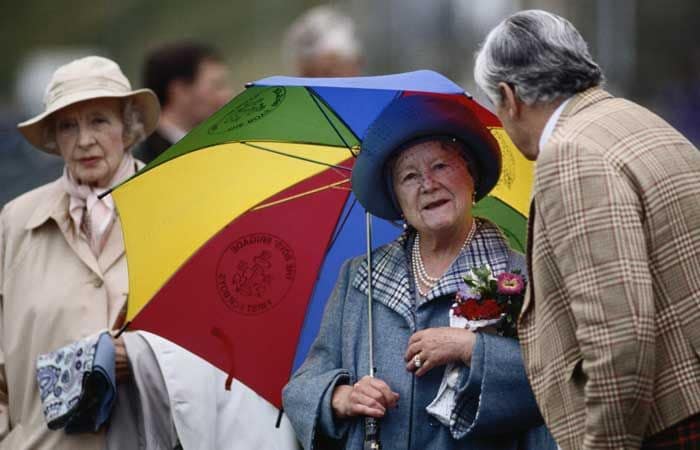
577	104
393	285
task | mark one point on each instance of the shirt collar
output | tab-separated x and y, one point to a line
551	123
171	132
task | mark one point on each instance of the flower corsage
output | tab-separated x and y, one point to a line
485	300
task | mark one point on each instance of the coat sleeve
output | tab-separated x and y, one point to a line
307	396
10	437
4	408
592	219
494	394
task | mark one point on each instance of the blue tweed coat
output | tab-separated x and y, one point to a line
495	407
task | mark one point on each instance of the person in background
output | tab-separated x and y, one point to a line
192	82
323	43
610	328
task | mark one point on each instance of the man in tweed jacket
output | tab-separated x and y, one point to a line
610	329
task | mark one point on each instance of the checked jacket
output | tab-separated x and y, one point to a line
610	328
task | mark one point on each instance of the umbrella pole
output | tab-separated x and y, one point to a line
122	330
371	424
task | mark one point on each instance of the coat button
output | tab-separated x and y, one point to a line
97	282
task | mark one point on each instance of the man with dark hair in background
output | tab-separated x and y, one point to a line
191	82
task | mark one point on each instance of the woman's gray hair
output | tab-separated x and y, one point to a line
132	117
541	55
134	129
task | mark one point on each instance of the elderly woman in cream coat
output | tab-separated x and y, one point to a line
63	277
62	267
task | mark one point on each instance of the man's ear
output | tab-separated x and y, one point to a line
511	105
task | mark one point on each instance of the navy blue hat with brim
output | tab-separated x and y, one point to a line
413	117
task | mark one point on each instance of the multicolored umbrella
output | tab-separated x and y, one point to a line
235	235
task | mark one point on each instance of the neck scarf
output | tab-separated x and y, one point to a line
90	215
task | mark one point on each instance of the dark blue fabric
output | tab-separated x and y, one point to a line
103	367
99	391
350	242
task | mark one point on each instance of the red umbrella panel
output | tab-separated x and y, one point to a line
263	263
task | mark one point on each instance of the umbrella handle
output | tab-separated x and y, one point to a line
122	330
371	424
371	434
226	342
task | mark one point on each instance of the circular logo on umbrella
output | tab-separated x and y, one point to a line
255	273
251	110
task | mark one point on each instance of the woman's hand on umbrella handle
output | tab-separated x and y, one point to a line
368	397
435	347
121	361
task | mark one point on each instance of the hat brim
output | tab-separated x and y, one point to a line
417	116
144	99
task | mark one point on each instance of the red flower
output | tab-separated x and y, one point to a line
479	310
510	283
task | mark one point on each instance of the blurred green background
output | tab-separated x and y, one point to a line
649	50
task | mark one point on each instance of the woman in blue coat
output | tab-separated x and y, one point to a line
436	386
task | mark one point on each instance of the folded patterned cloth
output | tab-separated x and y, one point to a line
445	400
77	384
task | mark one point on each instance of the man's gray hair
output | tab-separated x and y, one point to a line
321	29
539	54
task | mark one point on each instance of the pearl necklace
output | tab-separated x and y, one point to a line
419	268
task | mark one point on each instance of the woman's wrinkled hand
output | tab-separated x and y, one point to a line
121	361
439	346
368	397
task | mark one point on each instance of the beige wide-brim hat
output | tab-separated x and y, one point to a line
86	79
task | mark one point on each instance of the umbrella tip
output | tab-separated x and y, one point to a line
279	418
